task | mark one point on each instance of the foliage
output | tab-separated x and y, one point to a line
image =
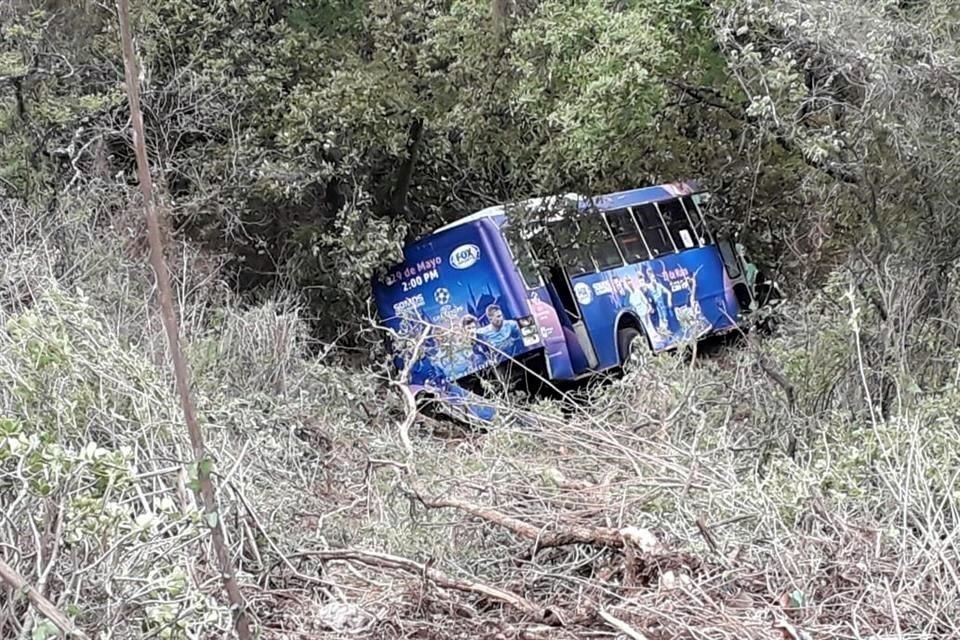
866	92
75	456
303	157
94	487
297	144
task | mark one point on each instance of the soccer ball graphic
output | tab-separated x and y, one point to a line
441	295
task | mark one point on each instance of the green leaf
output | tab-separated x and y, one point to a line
206	466
44	630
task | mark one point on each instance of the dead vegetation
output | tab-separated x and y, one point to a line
653	528
693	499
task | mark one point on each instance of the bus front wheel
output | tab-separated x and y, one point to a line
633	348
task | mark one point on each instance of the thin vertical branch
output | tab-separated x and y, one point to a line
206	491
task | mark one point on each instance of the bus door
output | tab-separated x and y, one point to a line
557	258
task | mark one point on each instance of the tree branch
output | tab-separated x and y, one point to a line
206	491
542	539
620	625
713	98
383	560
9	575
401	188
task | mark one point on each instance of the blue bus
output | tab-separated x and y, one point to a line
596	281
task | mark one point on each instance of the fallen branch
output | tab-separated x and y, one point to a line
542	539
409	400
10	576
707	536
386	561
410	417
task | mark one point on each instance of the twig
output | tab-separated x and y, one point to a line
620	625
206	489
9	575
410	404
263	532
409	401
53	539
781	380
383	560
707	536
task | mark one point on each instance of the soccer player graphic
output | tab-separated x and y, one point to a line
470	330
662	299
501	334
638	300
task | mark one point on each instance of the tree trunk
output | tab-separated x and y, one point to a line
401	188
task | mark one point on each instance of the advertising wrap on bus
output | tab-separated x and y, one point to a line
449	310
677	298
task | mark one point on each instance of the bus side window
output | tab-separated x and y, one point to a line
653	230
573	254
527	265
600	244
699	226
684	236
627	236
544	253
524	258
544	248
696	214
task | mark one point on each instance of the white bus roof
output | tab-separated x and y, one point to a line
631	197
500	209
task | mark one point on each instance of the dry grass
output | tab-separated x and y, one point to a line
701	499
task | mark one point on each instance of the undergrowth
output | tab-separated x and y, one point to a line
805	479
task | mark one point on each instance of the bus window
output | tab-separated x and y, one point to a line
523	257
601	245
684	236
730	259
573	254
653	231
627	236
544	248
696	215
527	266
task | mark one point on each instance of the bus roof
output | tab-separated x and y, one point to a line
617	200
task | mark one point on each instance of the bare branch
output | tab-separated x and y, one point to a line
383	560
44	606
206	490
620	625
560	536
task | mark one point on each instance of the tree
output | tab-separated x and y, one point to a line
308	140
867	92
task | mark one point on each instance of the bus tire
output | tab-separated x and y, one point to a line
632	347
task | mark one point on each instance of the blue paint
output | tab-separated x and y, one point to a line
455	306
675	298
